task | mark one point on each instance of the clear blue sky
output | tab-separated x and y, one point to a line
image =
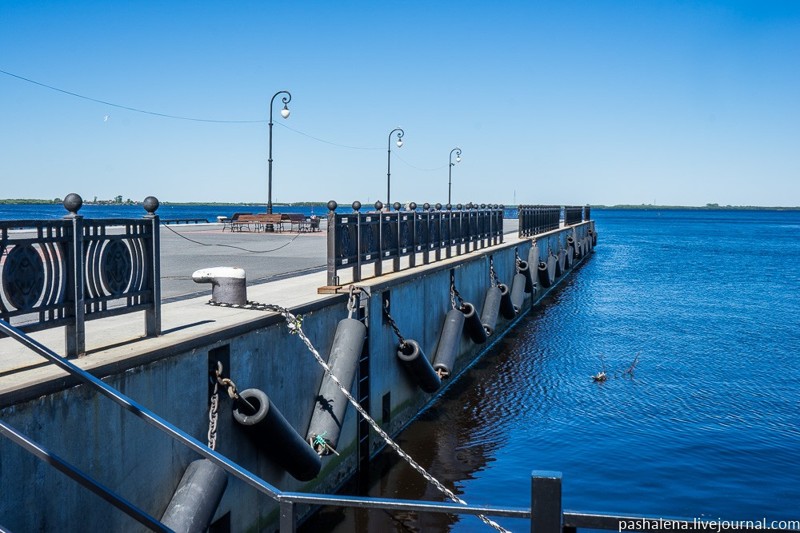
565	102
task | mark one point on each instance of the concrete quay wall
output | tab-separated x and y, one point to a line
170	376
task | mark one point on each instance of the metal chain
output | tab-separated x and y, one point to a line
493	279
454	294
296	329
517	259
230	387
351	301
213	409
393	324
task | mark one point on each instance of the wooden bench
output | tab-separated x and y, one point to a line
244	220
296	219
270	222
231	223
259	222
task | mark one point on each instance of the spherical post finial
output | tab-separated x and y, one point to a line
332	205
378	205
356	206
412	206
150	204
426	206
73	203
396	206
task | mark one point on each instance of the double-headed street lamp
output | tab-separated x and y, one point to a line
400	134
285	114
457	151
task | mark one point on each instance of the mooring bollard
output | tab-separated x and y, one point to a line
228	284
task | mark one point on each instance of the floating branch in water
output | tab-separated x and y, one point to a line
633	366
603	375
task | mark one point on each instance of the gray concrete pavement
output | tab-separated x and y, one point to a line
263	256
297	259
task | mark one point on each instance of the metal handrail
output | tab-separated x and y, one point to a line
545	512
142	412
285	499
88	482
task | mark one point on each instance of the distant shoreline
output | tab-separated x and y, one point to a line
642	207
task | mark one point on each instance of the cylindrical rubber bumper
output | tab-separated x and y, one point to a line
524	269
518	292
472	323
272	434
197	497
449	342
506	307
417	365
329	411
491	308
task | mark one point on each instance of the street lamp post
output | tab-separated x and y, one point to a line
457	151
400	134
285	114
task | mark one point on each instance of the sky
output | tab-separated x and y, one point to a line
567	102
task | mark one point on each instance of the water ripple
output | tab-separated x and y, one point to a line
706	424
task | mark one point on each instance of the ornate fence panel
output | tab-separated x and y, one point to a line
535	219
64	272
357	240
573	215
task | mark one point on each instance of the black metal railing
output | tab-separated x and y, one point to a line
64	272
369	239
536	219
573	215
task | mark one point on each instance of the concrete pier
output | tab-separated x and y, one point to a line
170	375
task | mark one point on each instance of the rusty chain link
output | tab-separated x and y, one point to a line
213	409
454	294
393	324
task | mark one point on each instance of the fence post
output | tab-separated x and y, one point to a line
379	262
546	516
152	316
357	213
333	279
75	331
288	522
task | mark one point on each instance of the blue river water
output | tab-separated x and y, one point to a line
706	426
